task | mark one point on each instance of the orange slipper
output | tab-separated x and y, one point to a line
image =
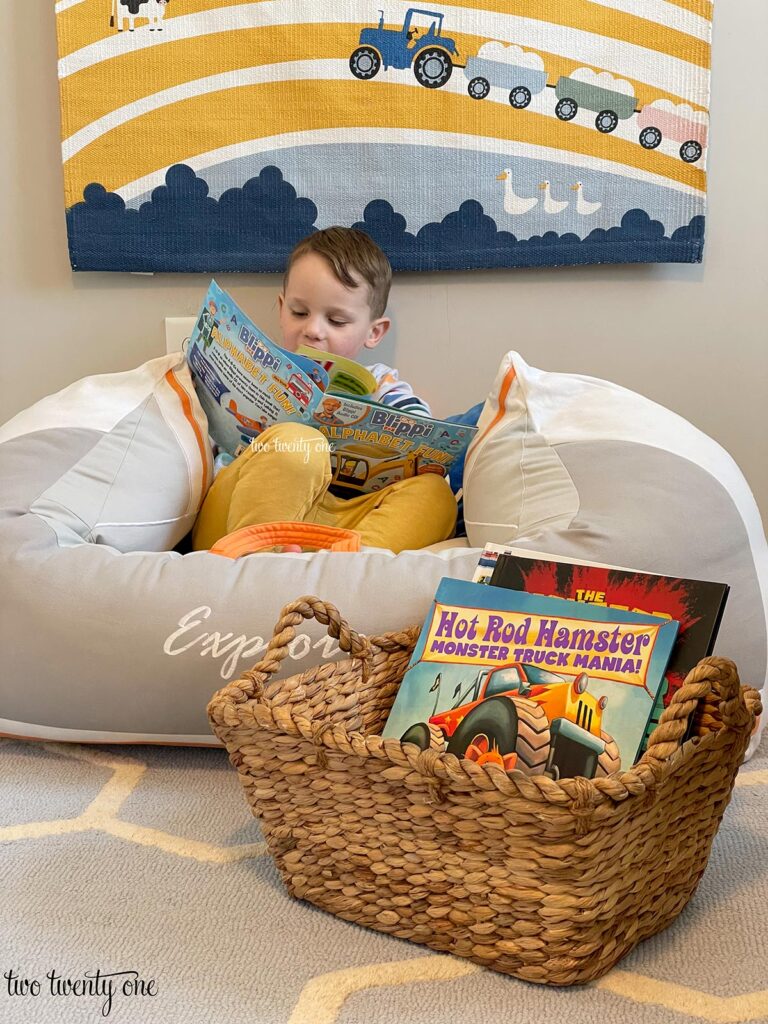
286	537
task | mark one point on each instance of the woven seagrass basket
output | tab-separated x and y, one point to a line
553	882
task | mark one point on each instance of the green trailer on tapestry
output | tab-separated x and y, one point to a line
611	105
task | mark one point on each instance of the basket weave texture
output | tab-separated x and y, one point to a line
553	882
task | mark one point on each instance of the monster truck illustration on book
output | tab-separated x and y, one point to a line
520	715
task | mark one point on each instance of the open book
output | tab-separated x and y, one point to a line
246	383
344	375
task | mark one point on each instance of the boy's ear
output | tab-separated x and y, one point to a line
280	301
378	329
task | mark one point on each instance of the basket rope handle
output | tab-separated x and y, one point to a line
712	675
283	635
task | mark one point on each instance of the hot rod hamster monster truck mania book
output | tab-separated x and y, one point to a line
541	684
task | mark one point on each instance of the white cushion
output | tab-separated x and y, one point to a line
130	453
585	469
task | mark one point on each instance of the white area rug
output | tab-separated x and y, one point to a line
147	861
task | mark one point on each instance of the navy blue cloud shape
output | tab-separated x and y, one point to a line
181	228
253	227
638	238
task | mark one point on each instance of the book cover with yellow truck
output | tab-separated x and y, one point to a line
537	684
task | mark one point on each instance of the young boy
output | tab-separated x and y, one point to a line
334	297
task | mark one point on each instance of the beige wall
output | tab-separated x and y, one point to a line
693	338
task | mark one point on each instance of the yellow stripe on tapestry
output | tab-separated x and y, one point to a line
78	28
458	134
88	95
337	105
524	27
654	33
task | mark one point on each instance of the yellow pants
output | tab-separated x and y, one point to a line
285	475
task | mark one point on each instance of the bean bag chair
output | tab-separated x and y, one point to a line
584	469
110	635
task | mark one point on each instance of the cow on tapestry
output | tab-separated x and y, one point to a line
128	10
125	11
458	136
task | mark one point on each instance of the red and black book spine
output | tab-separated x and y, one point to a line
696	604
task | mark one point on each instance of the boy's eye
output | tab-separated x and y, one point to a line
338	323
297	312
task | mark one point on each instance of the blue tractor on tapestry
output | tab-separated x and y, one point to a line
426	50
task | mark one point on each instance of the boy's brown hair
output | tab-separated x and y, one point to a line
352	255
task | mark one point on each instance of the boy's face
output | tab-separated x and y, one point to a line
316	309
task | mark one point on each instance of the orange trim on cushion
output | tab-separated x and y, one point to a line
506	384
186	406
269	535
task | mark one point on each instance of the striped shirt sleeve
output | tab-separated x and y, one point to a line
395	392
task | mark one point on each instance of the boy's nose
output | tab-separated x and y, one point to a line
313	329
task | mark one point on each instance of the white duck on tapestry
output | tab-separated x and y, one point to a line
551	205
514	204
582	206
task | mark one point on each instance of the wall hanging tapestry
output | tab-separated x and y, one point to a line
211	135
